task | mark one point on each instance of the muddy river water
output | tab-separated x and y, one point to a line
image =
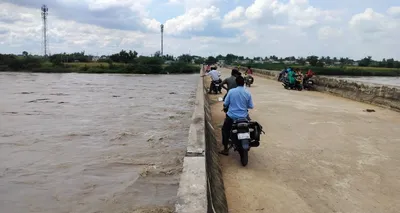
90	143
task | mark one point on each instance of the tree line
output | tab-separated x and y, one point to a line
129	61
312	60
125	61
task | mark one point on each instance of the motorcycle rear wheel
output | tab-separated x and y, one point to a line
244	156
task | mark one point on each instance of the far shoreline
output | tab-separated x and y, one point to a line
85	72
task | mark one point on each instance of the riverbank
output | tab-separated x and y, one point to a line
380	95
388	81
100	68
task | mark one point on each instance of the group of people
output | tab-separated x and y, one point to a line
294	76
237	102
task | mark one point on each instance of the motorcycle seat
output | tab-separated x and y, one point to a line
241	120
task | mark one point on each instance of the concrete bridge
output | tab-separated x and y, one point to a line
321	153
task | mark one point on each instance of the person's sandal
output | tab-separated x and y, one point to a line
224	152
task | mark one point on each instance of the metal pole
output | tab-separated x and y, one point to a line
162	39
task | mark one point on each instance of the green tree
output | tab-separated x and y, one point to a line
301	61
313	60
157	54
365	62
211	60
320	63
185	58
220	57
199	60
390	63
230	58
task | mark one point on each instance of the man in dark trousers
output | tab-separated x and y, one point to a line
238	101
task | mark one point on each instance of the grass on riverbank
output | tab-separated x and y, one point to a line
345	71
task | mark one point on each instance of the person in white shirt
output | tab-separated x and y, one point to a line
215	77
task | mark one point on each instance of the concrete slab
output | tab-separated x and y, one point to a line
192	193
196	140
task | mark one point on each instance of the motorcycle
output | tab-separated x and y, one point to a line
216	87
297	85
249	80
282	76
308	84
244	134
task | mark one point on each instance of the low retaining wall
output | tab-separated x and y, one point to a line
201	188
380	95
192	192
270	74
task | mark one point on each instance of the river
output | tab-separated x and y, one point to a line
87	143
388	81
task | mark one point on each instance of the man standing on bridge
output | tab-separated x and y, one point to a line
214	77
238	101
230	82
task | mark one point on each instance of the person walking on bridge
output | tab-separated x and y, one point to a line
230	82
238	101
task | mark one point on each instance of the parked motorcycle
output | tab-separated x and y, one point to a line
244	135
216	87
298	85
282	76
308	84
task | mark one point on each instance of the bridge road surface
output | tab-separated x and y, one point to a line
320	154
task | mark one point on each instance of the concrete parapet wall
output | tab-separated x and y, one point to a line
270	74
380	95
192	192
201	187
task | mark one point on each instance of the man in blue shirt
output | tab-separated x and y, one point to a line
238	101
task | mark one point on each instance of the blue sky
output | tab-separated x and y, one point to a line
340	28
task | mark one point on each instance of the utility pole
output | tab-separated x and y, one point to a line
162	39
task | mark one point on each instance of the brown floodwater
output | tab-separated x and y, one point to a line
92	143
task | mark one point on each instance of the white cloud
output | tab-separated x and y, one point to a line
372	24
233	19
394	11
234	14
134	5
256	28
190	4
327	32
294	12
194	19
